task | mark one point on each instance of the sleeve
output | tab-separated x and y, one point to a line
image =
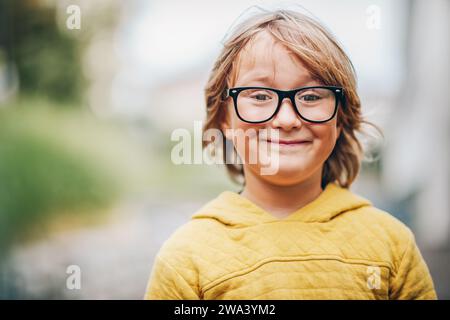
166	283
412	280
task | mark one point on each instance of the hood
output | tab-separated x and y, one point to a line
232	209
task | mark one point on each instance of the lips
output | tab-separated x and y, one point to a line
288	142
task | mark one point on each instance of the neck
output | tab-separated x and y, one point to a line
281	201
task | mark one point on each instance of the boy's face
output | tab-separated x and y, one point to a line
296	162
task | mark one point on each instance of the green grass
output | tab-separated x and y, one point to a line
60	161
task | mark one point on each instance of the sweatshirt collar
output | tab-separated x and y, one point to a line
233	209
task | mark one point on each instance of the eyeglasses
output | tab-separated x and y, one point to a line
315	104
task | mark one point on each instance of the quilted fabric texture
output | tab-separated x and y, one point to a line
339	246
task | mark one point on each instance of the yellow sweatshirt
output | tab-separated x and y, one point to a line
336	247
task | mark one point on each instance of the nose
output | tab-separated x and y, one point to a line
286	118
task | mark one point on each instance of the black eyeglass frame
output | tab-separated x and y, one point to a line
338	93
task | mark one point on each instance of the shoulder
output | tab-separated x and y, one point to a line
189	240
383	231
194	251
379	220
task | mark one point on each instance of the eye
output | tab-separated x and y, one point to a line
310	97
261	96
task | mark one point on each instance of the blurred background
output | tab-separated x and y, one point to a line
90	92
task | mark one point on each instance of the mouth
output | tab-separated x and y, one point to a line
289	143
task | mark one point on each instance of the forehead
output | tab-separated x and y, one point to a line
266	61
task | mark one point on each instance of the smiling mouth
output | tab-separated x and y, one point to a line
289	142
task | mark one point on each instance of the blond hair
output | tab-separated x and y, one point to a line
324	58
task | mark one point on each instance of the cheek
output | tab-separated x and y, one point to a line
246	138
325	136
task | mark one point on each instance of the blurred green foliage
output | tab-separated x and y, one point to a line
47	61
40	174
50	161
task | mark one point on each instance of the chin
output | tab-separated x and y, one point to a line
288	175
293	167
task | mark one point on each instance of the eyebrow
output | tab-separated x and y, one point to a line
259	77
262	77
265	78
